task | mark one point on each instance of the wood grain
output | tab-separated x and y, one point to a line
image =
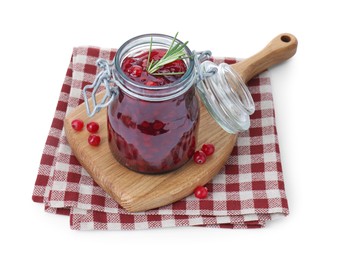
140	192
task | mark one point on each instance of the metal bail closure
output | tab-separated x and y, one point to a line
226	96
105	77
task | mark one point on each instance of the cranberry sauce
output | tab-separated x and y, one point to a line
153	136
136	69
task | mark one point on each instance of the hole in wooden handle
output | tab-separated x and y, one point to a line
285	38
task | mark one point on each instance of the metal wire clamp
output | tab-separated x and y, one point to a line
105	77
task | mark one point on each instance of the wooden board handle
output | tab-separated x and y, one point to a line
281	48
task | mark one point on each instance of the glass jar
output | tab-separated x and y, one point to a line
153	129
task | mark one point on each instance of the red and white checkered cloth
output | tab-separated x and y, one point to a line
247	192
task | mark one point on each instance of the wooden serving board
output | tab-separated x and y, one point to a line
140	192
136	191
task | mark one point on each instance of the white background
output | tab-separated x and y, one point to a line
36	42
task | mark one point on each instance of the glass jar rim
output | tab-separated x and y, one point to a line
155	93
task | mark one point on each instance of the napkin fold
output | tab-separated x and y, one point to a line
246	193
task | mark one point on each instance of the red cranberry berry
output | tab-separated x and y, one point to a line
93	127
151	83
94	140
77	124
127	63
201	192
208	149
135	71
158	125
200	157
145	124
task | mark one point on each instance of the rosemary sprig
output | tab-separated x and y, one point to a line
168	73
175	52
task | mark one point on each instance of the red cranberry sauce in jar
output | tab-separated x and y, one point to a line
136	69
153	136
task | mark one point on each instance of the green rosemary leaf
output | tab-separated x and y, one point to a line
167	73
181	47
151	63
150	50
170	47
175	52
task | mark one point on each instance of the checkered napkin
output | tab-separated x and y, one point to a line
247	192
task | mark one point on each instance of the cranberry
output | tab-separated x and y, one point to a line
151	83
128	122
93	127
177	66
145	124
135	71
158	125
208	149
201	192
77	124
94	140
144	63
157	54
127	63
200	157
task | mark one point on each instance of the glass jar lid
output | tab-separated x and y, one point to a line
225	96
